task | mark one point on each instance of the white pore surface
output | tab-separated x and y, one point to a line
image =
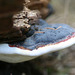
15	55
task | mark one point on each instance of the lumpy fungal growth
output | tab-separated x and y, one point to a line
46	34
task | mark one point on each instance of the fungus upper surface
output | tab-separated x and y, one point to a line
44	34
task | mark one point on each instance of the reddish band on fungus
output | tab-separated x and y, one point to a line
67	38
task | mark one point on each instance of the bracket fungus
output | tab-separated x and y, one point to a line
45	38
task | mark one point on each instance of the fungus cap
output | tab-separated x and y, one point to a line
45	39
